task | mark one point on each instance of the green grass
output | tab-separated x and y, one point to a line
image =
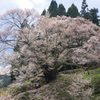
97	97
91	75
44	93
95	76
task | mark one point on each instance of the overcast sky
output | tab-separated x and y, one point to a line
40	5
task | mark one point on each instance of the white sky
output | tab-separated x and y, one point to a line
5	70
40	5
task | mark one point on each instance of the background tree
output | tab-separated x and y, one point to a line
87	15
94	16
72	11
12	22
83	8
53	9
61	10
44	12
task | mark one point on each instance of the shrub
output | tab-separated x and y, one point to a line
96	84
80	88
15	89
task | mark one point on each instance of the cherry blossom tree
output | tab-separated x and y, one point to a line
11	22
41	48
45	45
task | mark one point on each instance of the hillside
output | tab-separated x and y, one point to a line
68	87
4	76
4	81
59	89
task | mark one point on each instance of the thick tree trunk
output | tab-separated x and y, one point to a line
49	75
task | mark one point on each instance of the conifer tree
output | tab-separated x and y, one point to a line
72	11
94	16
53	9
61	10
87	15
44	12
83	8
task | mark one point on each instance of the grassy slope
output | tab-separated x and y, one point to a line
95	75
57	89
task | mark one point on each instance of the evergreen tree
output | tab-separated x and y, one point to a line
83	8
94	16
72	11
53	9
87	15
61	10
44	12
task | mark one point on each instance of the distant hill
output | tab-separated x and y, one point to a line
4	76
4	81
